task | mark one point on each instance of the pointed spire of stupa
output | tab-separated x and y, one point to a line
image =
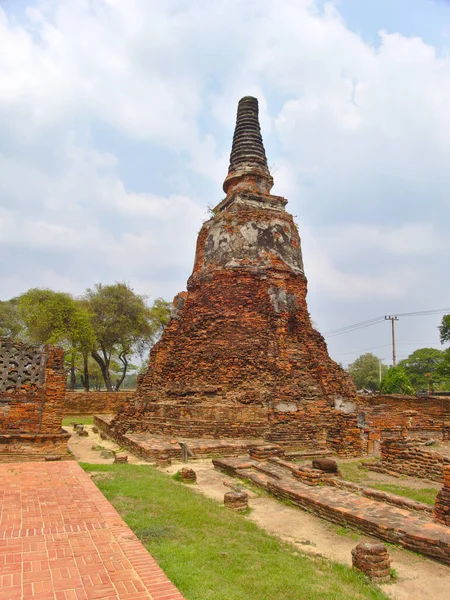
248	169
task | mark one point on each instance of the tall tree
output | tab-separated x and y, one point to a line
424	364
444	329
396	382
11	323
365	371
57	318
123	325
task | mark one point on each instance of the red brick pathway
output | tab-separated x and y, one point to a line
61	539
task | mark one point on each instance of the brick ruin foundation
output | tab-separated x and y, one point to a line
395	519
32	388
240	358
383	417
406	456
442	504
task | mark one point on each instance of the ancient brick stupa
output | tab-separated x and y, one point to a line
240	358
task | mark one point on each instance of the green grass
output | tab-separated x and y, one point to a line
346	532
211	553
426	495
81	420
352	472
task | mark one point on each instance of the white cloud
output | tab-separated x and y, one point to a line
359	138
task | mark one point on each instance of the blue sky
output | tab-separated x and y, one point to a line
116	121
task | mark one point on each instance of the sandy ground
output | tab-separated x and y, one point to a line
82	448
418	577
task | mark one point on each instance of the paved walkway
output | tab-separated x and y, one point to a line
61	539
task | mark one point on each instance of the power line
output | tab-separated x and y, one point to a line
370	322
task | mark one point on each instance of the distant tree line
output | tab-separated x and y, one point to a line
101	331
424	369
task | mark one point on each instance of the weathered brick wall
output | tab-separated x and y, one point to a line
391	411
32	389
442	504
405	456
54	390
91	403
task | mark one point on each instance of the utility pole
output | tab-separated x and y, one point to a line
380	360
392	319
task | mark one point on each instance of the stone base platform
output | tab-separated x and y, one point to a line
20	447
152	447
413	530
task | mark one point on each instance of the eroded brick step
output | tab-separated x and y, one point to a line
304	454
18	458
269	470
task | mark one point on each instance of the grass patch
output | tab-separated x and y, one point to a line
426	495
86	420
213	554
352	471
346	532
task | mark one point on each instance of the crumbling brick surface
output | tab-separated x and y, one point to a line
442	504
32	388
240	357
407	457
94	403
392	414
373	560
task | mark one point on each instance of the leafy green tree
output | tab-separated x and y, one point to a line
444	329
57	318
423	362
365	371
396	382
159	314
123	325
11	323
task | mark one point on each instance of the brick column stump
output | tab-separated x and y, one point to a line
373	560
121	458
264	452
188	475
237	501
442	503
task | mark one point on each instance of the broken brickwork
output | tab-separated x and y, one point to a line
32	388
240	357
373	560
406	456
442	504
79	402
385	416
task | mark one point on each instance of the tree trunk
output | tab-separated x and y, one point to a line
123	360
86	372
73	377
103	363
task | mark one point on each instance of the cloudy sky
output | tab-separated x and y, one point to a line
116	119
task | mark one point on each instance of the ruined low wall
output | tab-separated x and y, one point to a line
393	411
193	421
32	389
406	457
90	403
442	504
